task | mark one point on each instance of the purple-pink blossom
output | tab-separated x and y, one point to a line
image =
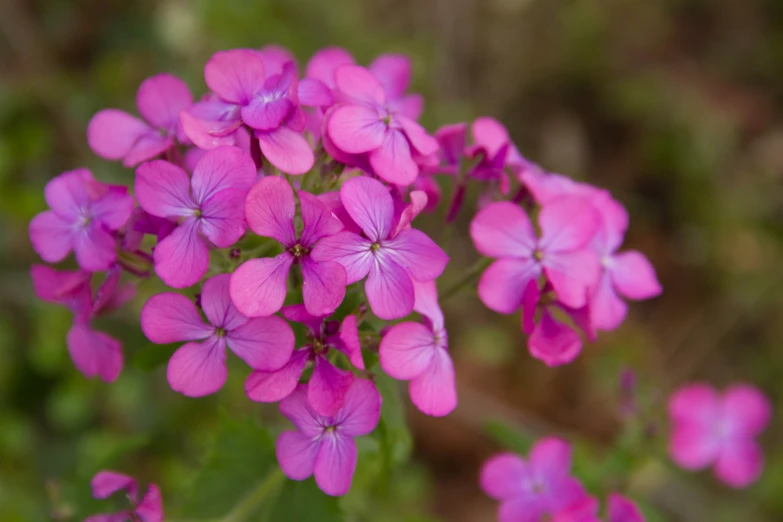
198	367
714	429
328	384
323	445
259	286
83	217
210	205
621	509
389	255
148	508
115	134
418	353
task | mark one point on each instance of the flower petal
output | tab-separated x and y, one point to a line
407	350
502	286
94	248
553	342
296	408
181	259
114	208
389	289
264	343
426	303
693	446
434	392
147	147
287	150
695	403
168	318
223	217
747	409
150	509
351	250
327	387
198	369
607	310
324	62
270	209
362	409
160	99
258	286
299	314
622	509
421	257
314	93
349	342
572	274
503	230
318	219
359	85
568	223
277	385
51	236
111	133
72	192
393	71
504	475
296	454
356	128
163	189
633	276
222	168
216	303
550	457
740	463
392	161
335	464
323	286
266	114
370	205
235	75
94	353
422	142
105	483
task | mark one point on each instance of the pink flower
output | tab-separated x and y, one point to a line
622	509
393	71
392	257
93	353
720	430
149	509
328	384
583	510
628	274
211	204
418	353
502	230
259	286
199	368
83	215
114	134
324	446
366	123
324	62
532	489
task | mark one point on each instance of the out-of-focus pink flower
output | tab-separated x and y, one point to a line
393	71
259	286
211	204
529	490
324	446
502	230
147	509
583	510
328	384
719	429
84	214
115	134
418	353
199	368
366	124
392	257
622	509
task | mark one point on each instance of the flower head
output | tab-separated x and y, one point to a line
210	204
198	367
147	509
324	445
621	509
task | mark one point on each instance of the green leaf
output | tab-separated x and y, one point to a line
395	438
303	502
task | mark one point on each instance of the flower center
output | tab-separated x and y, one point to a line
538	255
330	429
220	332
197	212
375	246
387	120
320	347
298	251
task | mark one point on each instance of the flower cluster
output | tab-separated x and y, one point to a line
278	194
147	509
541	487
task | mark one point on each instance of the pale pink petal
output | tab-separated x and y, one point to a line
222	168
270	209
504	476
622	509
150	509
370	205
296	408
553	342
314	93
392	161
633	276
324	62
607	310
572	274
696	403
111	133
296	454
276	386
335	464
551	458
389	289
693	446
323	286
503	230
352	251
356	128
318	219
235	75
417	136
362	410
350	344
94	247
170	317
407	350
434	392
264	343
198	369
747	409
114	208
161	98
147	147
287	150
502	286
327	387
223	217
394	73
51	236
94	353
421	257
358	84
163	189
258	286
567	223
740	463
181	259
105	483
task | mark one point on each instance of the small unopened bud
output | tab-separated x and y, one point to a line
331	327
197	298
234	253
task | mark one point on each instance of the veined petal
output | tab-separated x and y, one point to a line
318	219
170	317
362	409
270	209
181	259
502	286
434	391
235	75
217	305
287	150
503	230
160	98
323	286
114	208
222	168
351	250
393	71
198	369
297	409
370	205
407	350
695	403
94	353
327	387
392	160
349	343
266	115
335	464
296	454
358	84
277	385
264	343
223	217
417	136
94	248
147	147
568	223
111	133
356	128
258	286
419	255
163	189
70	193
324	62
426	303
572	274
389	289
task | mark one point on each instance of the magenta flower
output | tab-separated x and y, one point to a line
502	230
393	71
720	430
391	257
115	134
324	62
258	287
199	368
418	353
532	489
583	510
322	445
211	204
493	145
628	274
84	214
328	384
93	353
366	123
149	509
622	509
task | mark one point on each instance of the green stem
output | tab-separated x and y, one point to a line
244	509
470	277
